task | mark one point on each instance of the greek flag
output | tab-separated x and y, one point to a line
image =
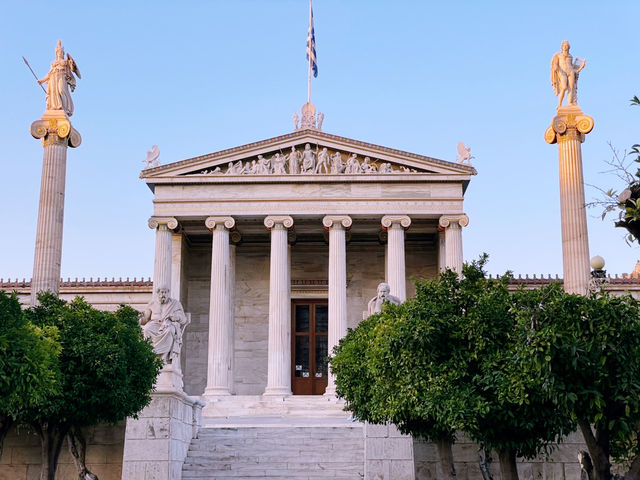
311	45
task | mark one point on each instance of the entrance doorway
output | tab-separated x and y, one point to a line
310	322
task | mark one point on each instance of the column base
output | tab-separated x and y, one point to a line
277	391
216	392
330	392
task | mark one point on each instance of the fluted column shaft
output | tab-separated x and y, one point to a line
397	275
337	311
442	251
48	251
220	348
57	135
279	355
163	257
452	225
568	129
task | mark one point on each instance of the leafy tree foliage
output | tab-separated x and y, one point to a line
107	372
446	360
28	364
587	350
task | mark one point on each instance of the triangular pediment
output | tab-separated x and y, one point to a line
309	153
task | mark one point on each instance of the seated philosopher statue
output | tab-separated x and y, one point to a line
163	321
375	304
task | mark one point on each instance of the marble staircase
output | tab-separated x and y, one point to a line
277	449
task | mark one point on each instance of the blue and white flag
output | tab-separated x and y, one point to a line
311	46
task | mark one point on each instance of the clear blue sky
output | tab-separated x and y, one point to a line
200	76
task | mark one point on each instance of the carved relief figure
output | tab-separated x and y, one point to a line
59	80
308	159
564	74
294	161
263	166
385	168
353	165
375	304
278	161
336	163
163	321
323	161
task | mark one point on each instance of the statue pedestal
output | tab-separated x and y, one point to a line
169	380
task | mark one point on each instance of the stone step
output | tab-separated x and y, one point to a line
277	452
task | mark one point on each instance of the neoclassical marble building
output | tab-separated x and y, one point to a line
275	248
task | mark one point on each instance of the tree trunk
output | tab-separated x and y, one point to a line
78	448
51	438
508	468
485	460
446	459
634	469
598	446
6	423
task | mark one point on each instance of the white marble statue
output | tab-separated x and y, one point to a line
59	80
278	162
293	159
385	167
320	120
308	160
337	166
263	166
353	164
152	157
464	154
375	304
323	161
296	121
163	321
564	74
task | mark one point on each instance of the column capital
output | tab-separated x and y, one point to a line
55	128
272	220
389	220
570	123
227	222
446	220
331	221
170	222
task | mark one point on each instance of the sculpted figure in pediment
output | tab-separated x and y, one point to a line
353	164
263	166
278	161
308	160
337	166
367	166
323	161
385	168
294	161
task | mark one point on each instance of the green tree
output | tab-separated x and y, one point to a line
587	350
107	373
29	371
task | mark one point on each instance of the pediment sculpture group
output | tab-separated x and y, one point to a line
307	162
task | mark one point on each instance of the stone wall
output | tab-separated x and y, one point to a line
562	464
21	458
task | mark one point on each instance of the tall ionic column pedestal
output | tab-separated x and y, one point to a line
279	355
57	134
568	129
337	226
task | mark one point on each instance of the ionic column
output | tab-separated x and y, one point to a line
452	225
568	129
442	251
337	226
279	356
163	257
57	134
220	348
395	226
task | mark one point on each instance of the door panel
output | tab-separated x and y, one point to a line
309	324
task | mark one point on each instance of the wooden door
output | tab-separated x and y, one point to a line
309	327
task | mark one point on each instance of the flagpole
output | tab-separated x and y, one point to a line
309	55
